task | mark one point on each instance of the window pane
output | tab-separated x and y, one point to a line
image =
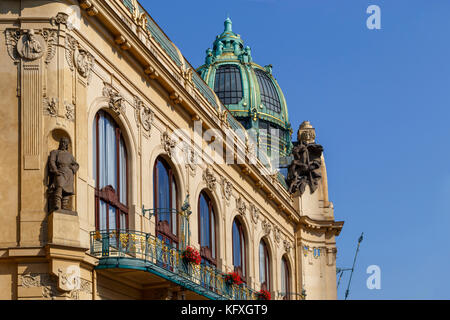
262	264
163	193
236	246
269	95
227	84
123	173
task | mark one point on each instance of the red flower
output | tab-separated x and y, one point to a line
191	255
233	278
264	295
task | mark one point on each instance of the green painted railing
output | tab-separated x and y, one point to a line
142	251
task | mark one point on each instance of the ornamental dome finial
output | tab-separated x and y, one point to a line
228	25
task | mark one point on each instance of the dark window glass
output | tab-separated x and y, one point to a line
285	279
264	266
269	95
165	194
207	228
227	84
239	257
110	172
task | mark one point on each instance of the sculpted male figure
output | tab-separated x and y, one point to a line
305	167
62	168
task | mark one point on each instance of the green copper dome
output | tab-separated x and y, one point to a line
248	90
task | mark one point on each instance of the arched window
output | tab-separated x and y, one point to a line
269	94
165	202
110	173
285	288
207	229
264	266
239	254
228	84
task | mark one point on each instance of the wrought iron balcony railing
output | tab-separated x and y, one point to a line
142	251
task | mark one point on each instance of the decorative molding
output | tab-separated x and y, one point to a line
175	97
51	106
30	45
276	234
144	115
287	246
79	58
151	72
266	226
167	143
70	111
60	18
209	178
254	213
227	188
191	158
241	206
116	101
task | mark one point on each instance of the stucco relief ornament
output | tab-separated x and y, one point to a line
70	111
115	100
191	158
209	178
167	143
266	226
254	213
276	234
287	246
241	206
84	62
227	188
144	115
50	106
305	167
31	46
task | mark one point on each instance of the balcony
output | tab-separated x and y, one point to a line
136	250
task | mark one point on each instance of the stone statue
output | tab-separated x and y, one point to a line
305	167
62	168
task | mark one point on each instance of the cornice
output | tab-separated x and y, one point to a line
331	226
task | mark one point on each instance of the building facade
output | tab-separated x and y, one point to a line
118	157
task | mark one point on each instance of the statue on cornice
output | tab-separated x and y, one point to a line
305	167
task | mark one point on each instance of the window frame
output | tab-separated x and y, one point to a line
159	229
241	270
205	251
108	194
264	285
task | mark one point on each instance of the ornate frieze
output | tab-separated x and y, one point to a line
144	115
115	100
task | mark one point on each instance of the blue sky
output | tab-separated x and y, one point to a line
380	102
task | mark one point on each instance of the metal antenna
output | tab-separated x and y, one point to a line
353	268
